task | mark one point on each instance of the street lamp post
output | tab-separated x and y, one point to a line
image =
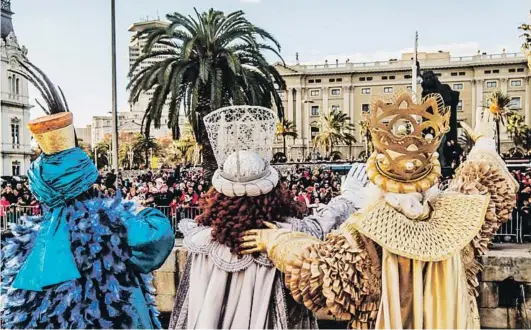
114	100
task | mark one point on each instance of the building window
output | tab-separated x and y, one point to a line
331	80
315	110
335	107
365	91
314	130
317	81
487	72
14	84
516	102
388	90
462	73
311	81
362	78
407	76
495	71
369	78
520	70
314	92
516	83
458	86
492	84
15	168
384	77
460	105
392	77
15	132
335	91
512	70
409	88
339	79
453	74
364	108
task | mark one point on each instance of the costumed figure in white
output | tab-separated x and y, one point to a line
221	288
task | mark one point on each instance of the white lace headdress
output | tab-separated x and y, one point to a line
242	140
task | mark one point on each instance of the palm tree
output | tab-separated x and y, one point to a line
498	107
286	128
208	61
146	144
364	126
526	45
335	128
187	145
518	131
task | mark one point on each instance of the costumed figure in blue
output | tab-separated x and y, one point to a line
86	262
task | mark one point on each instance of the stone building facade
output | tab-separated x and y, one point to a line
15	139
312	89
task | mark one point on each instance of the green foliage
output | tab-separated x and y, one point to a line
286	128
207	61
335	127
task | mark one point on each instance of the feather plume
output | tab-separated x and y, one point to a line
54	99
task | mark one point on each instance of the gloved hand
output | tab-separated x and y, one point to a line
256	240
356	179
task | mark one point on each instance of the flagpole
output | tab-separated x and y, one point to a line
113	88
414	64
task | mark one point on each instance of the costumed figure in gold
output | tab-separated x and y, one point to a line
408	257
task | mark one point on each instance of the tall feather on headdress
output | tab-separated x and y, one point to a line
55	100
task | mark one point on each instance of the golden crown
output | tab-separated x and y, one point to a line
406	135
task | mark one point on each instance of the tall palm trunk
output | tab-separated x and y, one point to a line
284	141
146	155
498	140
203	109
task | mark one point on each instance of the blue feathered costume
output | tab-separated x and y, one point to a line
86	262
113	250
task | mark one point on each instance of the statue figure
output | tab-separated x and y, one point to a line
431	84
11	40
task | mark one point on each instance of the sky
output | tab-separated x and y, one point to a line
71	39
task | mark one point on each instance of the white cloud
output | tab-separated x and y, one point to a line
455	49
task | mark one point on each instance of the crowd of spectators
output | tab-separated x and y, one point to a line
175	192
313	186
15	198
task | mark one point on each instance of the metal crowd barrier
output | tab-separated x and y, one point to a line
511	231
15	214
177	214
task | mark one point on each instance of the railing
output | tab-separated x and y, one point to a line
511	231
407	63
177	214
15	214
15	97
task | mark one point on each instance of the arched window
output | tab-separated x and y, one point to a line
17	86
10	84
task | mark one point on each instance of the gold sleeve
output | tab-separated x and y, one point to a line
485	173
337	277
